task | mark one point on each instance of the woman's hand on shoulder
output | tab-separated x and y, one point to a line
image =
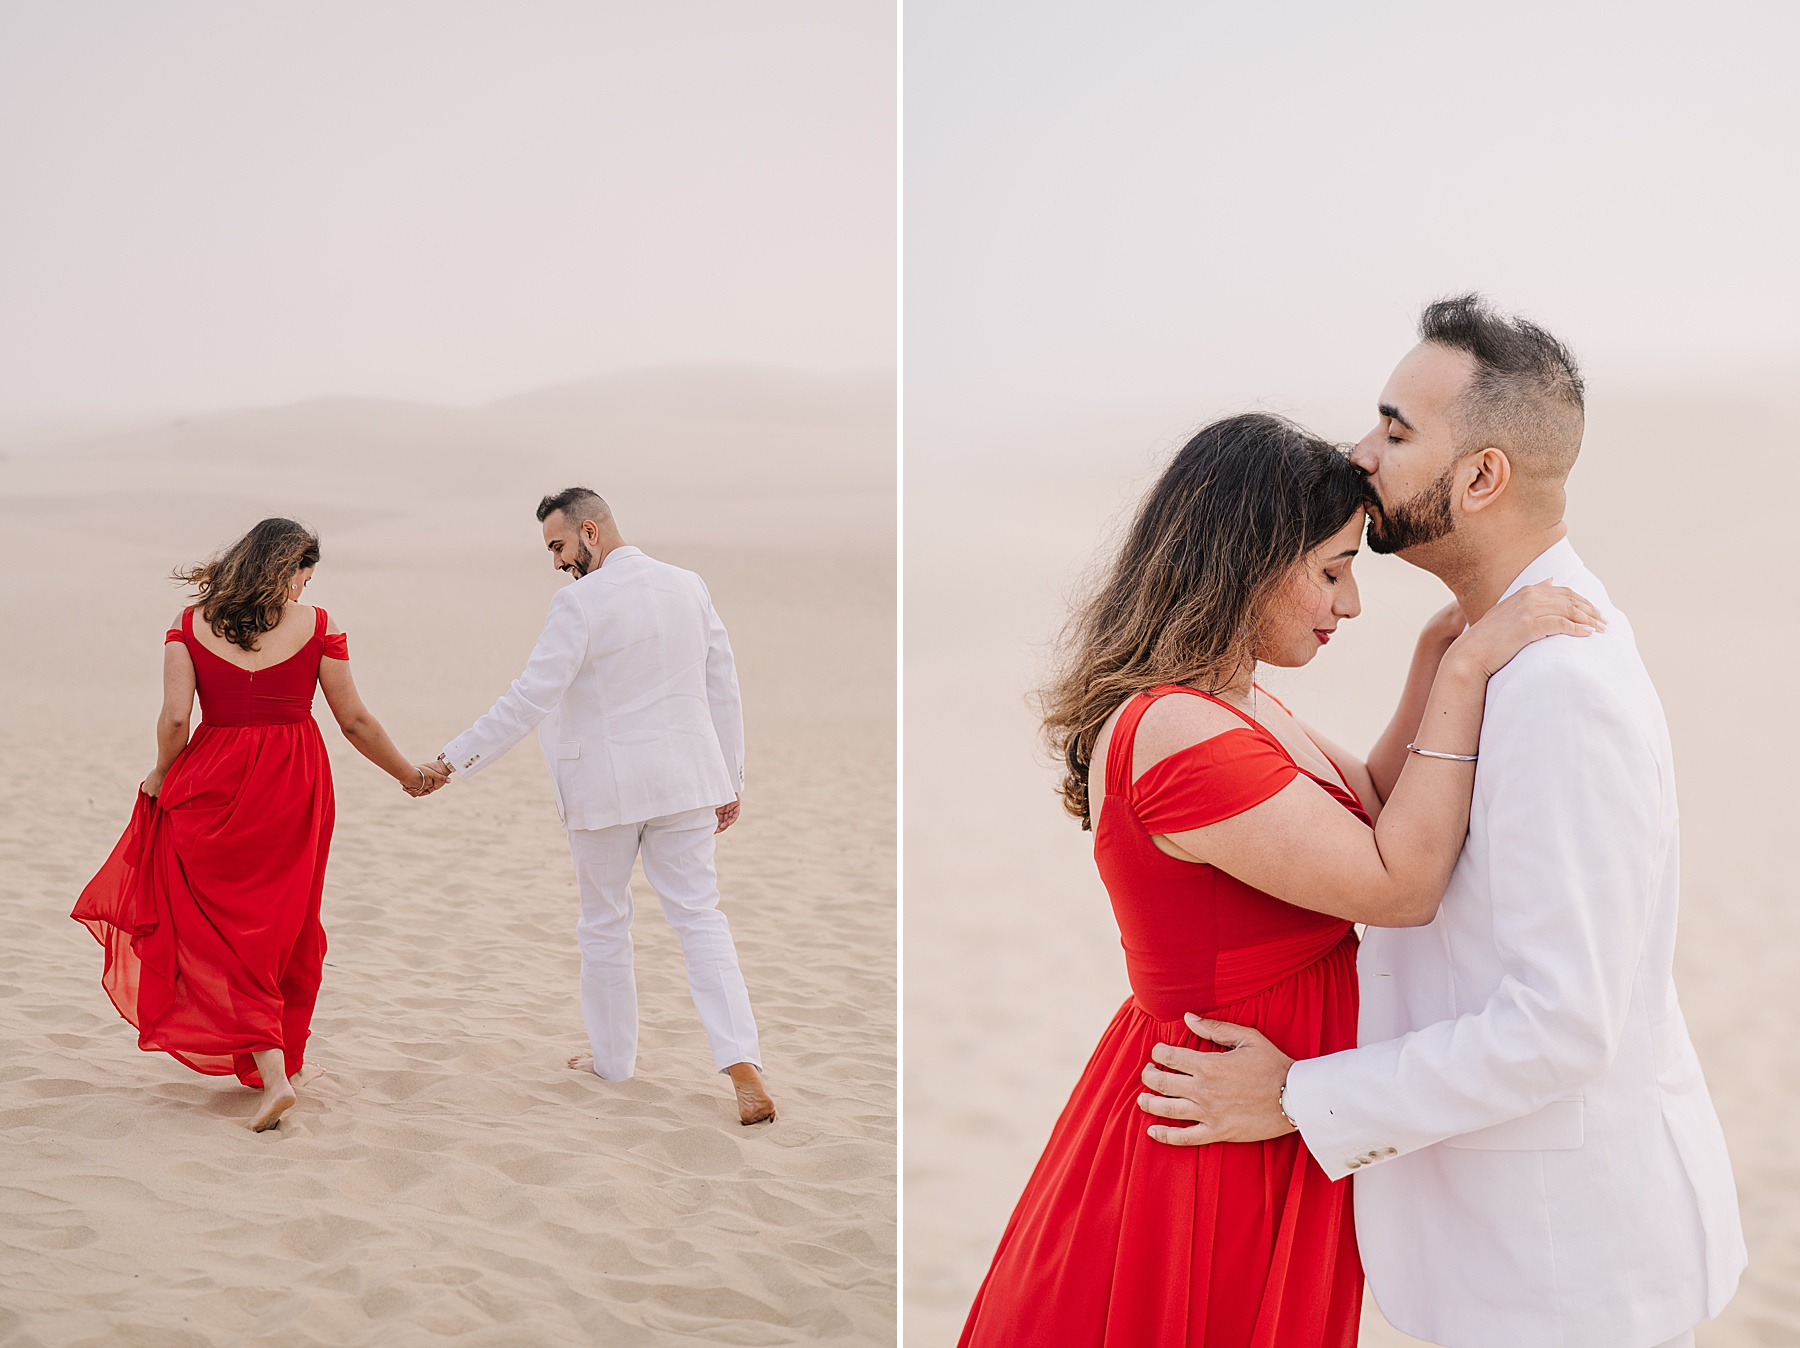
1527	615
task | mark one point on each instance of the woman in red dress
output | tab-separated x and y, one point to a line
1238	849
208	907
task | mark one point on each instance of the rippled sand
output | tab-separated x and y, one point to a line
445	1178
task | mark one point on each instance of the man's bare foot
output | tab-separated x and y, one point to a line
582	1062
276	1101
754	1104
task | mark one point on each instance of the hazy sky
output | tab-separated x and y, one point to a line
216	203
1201	204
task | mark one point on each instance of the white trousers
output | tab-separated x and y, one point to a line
1680	1341
677	851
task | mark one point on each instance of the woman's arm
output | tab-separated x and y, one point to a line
361	728
177	711
1389	753
1352	769
1301	846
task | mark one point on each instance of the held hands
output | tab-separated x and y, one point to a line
1525	616
429	777
1234	1096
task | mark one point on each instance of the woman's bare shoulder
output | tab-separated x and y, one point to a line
1175	722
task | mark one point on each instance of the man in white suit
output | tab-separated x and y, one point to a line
1537	1159
634	696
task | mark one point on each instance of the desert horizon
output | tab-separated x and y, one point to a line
444	1173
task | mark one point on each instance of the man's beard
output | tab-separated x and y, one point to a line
1424	518
584	559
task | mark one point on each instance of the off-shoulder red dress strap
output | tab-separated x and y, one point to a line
1122	1242
336	645
208	908
1215	779
1204	783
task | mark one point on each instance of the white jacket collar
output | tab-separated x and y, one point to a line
1554	562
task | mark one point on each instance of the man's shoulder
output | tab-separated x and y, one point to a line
1604	658
1566	691
633	581
1603	667
635	568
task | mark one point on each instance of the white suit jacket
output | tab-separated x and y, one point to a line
634	696
1537	1159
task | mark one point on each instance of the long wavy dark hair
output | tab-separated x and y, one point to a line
1240	504
243	589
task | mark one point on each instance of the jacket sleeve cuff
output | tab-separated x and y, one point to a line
1327	1135
464	759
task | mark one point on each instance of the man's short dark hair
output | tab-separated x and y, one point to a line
1527	395
576	504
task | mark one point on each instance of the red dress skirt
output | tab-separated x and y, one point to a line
1122	1242
208	907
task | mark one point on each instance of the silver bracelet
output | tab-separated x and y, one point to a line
1432	753
1281	1104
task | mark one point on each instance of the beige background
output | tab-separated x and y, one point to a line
1122	223
1013	965
400	267
445	1178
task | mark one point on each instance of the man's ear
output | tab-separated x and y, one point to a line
590	531
1487	474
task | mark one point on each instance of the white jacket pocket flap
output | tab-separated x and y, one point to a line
568	749
1558	1126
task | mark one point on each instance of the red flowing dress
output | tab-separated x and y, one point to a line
208	907
1122	1242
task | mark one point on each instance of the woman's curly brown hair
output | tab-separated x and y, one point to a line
1239	505
243	589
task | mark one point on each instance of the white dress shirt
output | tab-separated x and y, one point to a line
1537	1159
634	696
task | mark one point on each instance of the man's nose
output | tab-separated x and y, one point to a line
1364	455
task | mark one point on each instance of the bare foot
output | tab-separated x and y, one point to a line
276	1101
278	1092
754	1104
582	1062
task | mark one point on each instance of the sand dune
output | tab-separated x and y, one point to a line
445	1179
1013	964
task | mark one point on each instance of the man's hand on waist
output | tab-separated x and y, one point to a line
1234	1096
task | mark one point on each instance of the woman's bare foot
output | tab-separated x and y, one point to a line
754	1104
278	1094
